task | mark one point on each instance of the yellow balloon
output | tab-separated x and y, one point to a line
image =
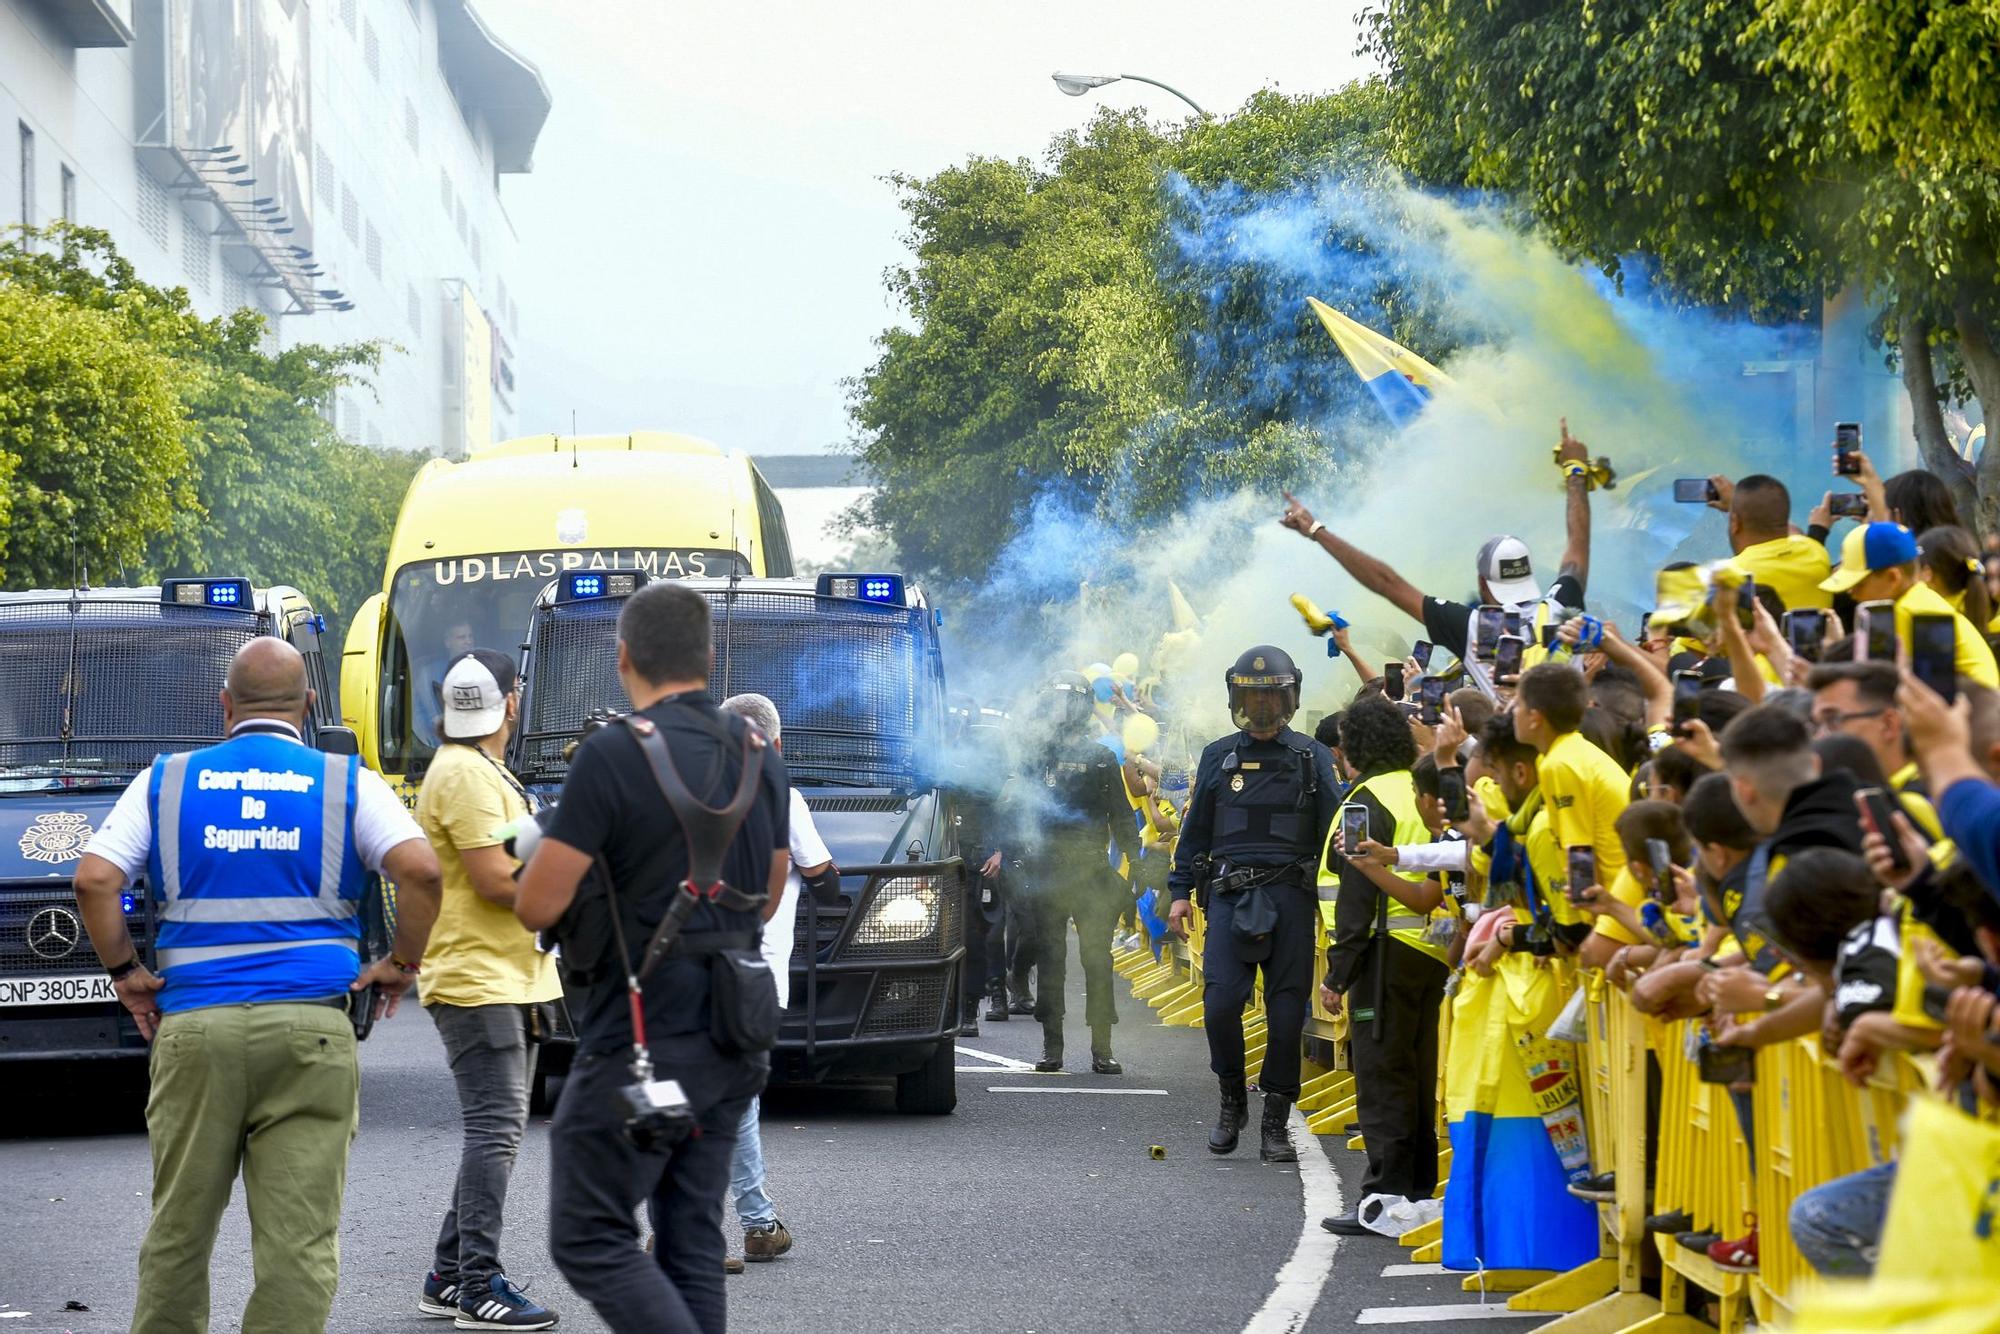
1125	666
1141	734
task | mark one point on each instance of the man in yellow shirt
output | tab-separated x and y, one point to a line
1584	788
1790	564
1878	563
482	979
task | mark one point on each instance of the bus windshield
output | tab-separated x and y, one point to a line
440	608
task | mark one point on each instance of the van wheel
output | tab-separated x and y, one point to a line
932	1088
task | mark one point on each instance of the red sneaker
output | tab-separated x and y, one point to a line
1737	1257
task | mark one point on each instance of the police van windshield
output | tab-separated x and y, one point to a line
440	608
102	687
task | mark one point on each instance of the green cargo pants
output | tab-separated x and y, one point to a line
272	1090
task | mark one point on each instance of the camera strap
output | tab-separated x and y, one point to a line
709	831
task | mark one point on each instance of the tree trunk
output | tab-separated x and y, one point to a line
1982	367
1913	346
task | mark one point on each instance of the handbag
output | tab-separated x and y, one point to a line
742	1002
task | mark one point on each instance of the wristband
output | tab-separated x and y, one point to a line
119	972
1574	470
1314	531
405	966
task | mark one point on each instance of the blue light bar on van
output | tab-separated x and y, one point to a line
886	589
590	585
234	593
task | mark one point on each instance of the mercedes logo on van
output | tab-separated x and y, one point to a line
53	933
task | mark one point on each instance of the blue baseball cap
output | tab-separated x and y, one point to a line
1868	548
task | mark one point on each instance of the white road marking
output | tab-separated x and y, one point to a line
1069	1088
1413	1271
1296	1289
1003	1062
1426	1315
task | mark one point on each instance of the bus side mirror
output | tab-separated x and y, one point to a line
339	741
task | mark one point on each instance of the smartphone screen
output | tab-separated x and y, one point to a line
1507	655
1934	652
1693	490
1876	801
1430	701
1511	623
1875	638
1848	505
1846	447
1661	859
1746	604
1392	679
1353	827
1490	626
1451	792
1687	684
1805	632
1582	872
1421	655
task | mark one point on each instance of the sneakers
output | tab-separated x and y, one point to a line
1600	1189
501	1305
440	1299
766	1243
1738	1256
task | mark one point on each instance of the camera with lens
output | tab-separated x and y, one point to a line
657	1114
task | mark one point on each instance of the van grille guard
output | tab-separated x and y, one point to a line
940	940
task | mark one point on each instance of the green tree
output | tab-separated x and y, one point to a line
93	441
259	485
1732	147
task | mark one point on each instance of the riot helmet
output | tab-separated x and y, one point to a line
1068	699
1263	689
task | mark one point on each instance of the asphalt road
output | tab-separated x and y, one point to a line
1024	1211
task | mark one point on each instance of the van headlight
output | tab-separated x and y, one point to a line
902	912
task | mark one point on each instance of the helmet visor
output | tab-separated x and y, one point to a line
1261	708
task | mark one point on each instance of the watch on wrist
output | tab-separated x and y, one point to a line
404	965
1773	999
119	972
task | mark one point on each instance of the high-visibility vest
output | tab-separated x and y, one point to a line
255	872
1397	792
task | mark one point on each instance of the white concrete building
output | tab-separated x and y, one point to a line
335	163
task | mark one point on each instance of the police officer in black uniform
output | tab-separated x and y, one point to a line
1264	798
1068	808
612	813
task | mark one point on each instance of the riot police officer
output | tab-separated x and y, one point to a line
1067	806
1264	798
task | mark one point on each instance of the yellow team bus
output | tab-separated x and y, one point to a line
478	540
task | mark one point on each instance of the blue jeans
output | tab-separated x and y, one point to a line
746	1174
1838	1226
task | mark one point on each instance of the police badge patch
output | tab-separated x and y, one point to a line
56	837
1236	783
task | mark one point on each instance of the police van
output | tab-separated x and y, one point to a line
853	663
93	684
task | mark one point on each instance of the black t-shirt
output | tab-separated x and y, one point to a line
611	804
1447	623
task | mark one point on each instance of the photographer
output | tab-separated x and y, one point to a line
622	1135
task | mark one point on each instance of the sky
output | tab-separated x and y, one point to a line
703	236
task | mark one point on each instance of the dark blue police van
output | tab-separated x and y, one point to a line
94	683
853	663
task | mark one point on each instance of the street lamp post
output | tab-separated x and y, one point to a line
1076	85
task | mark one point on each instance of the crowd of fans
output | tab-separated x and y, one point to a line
1772	807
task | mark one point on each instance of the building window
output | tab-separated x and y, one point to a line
477	261
349	10
410	123
153	207
374	250
463	233
195	254
350	215
27	175
416	313
372	49
329	186
444	190
68	194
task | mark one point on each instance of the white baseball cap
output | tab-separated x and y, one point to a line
475	693
1510	579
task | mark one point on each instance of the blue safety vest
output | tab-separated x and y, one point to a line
254	873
